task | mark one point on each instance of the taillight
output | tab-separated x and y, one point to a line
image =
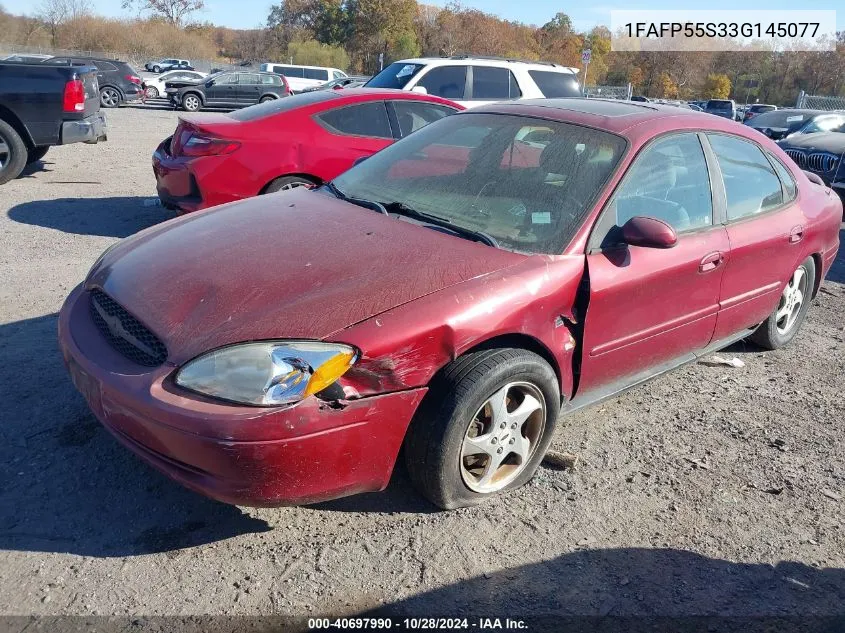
135	80
196	144
74	97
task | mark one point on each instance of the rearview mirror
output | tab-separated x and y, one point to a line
419	89
649	232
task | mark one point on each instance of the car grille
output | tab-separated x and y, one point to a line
798	157
822	162
125	333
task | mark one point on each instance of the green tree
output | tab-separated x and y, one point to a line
314	53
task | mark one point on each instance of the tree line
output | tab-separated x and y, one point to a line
361	35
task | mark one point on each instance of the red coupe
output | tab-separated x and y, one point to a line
303	140
453	294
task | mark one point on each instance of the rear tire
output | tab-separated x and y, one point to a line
36	154
266	99
13	153
191	102
110	97
462	447
151	92
786	319
289	182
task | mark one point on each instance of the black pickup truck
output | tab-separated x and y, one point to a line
43	105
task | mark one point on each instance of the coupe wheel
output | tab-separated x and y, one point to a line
289	182
484	426
786	319
13	153
191	103
151	92
109	98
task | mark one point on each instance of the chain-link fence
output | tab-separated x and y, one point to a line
608	92
818	102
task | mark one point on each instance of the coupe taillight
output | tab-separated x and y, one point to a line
74	96
196	144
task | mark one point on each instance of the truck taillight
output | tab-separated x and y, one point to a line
74	97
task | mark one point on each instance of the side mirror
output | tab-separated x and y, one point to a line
420	90
209	83
649	232
359	160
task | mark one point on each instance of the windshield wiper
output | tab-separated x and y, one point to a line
367	204
401	208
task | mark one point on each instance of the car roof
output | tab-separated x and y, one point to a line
489	61
612	115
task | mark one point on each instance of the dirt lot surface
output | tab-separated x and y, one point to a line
711	490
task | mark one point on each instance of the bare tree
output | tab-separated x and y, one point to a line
172	11
55	13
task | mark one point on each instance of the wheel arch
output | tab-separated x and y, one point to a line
196	93
12	119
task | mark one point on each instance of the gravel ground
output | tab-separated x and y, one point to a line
713	490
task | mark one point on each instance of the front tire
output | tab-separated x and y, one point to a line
156	69
786	319
109	97
13	153
483	428
191	103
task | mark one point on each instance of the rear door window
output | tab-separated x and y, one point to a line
494	84
413	115
751	184
555	85
365	119
448	82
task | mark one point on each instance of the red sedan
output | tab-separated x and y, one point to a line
453	295
304	140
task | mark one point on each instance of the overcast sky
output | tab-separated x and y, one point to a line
251	13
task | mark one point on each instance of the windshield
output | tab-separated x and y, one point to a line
525	182
394	76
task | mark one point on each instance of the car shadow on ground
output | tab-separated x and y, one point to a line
38	167
638	589
837	271
109	217
67	486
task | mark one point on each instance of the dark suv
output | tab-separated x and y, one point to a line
119	83
231	89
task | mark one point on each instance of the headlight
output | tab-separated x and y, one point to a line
270	373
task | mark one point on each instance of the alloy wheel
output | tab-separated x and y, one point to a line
502	437
791	301
192	103
110	97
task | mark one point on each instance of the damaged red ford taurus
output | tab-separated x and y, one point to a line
452	295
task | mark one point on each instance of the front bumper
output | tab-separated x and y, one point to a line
250	456
91	129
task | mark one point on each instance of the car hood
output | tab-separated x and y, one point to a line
833	142
296	264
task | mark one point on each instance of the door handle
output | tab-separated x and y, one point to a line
710	262
796	234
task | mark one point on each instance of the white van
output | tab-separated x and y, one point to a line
302	77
